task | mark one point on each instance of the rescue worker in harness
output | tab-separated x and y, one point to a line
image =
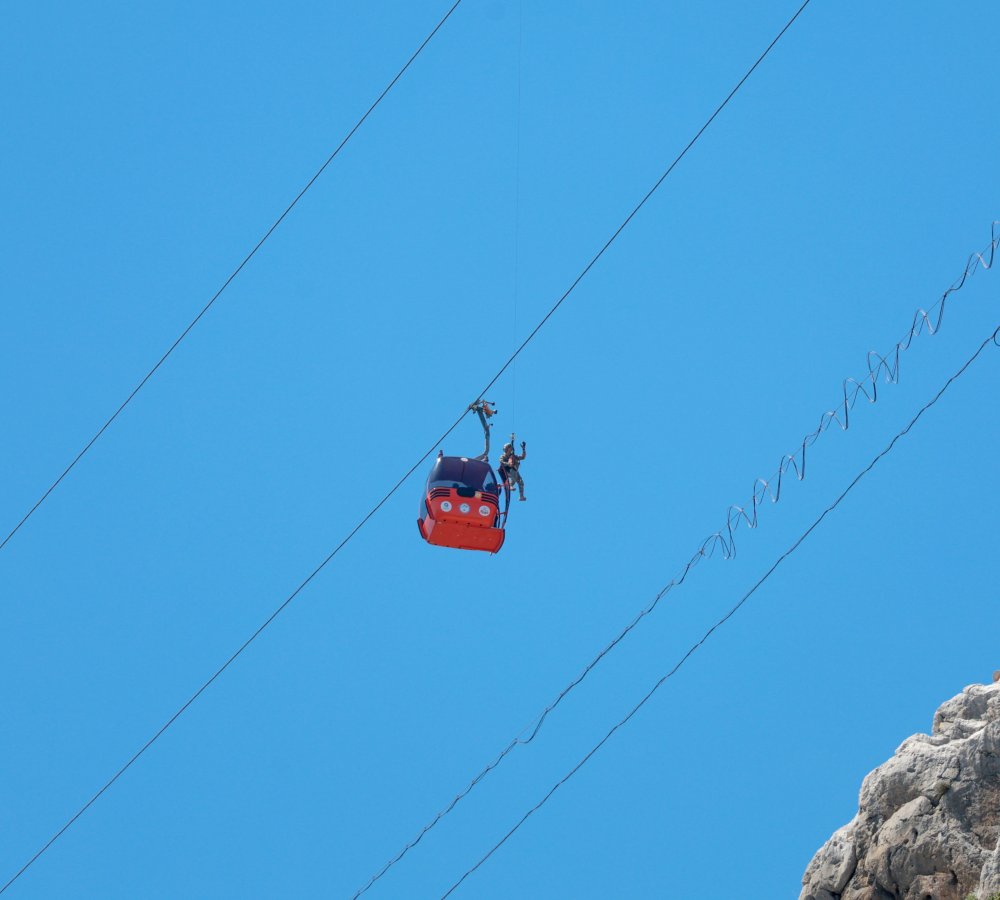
510	464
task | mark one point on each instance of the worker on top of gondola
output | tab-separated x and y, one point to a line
510	464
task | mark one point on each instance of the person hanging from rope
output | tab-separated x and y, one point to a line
510	464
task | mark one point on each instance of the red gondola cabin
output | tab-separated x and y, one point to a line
461	505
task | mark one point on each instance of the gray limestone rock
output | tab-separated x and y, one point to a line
928	819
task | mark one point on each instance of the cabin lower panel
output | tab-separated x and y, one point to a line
461	537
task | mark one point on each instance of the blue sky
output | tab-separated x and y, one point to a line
145	151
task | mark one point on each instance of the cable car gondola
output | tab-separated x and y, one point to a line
460	507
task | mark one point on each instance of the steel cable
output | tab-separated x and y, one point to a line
121	771
398	484
921	319
225	665
993	338
644	200
886	366
228	281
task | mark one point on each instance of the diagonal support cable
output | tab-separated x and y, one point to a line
646	198
924	321
227	282
284	605
992	339
135	757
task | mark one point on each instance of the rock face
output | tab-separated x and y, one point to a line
928	819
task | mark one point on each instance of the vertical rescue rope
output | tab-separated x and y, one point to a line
517	210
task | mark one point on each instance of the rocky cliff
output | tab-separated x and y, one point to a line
928	819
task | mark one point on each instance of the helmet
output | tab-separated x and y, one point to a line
508	446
